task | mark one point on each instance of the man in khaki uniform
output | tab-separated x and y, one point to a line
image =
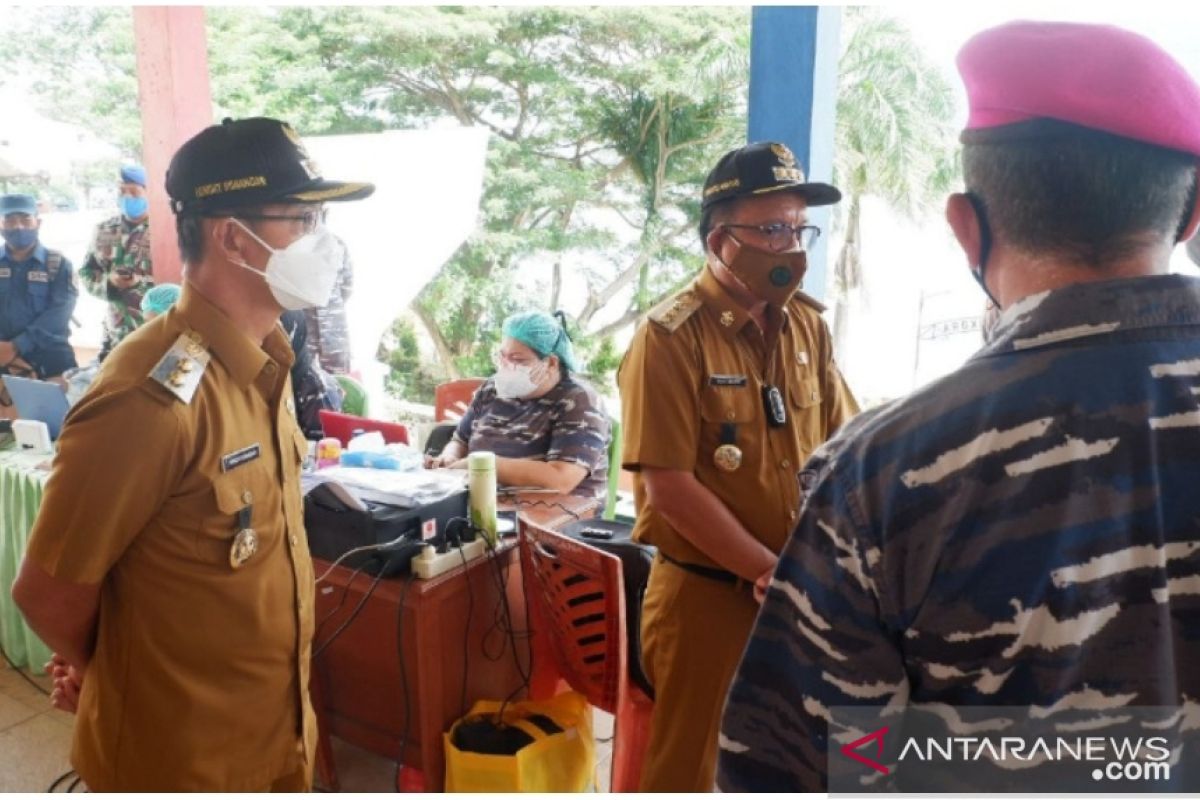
169	566
725	392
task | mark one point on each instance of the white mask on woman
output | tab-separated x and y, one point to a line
302	274
514	382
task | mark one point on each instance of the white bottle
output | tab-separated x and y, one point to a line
481	468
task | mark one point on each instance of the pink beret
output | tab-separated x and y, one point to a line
1095	76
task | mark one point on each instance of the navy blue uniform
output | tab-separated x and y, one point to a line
37	298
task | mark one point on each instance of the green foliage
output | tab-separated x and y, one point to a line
408	376
604	121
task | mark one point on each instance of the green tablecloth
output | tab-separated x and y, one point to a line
21	485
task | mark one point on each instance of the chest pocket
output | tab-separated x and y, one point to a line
37	285
806	407
247	485
738	406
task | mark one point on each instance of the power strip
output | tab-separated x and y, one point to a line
429	563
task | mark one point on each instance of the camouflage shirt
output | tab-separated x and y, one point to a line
1022	532
567	424
119	245
328	337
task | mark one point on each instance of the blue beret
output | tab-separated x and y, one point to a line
134	173
18	204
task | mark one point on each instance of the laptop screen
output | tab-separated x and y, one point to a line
38	400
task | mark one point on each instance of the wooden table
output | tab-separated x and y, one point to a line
441	628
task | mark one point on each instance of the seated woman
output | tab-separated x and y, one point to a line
546	427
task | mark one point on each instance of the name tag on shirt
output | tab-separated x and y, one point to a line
727	380
5	272
37	276
239	457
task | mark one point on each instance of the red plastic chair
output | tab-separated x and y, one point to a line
452	399
577	612
342	427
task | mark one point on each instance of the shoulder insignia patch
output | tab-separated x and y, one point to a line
179	371
674	311
810	301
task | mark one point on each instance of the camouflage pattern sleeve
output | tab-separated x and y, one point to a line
825	637
581	431
483	396
93	273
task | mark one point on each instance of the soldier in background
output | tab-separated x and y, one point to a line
117	266
328	336
1022	532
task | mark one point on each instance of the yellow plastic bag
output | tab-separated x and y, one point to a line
559	762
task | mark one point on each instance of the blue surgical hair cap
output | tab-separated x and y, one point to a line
544	334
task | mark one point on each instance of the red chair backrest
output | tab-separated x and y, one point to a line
581	598
452	399
342	426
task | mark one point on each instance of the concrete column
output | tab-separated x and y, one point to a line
793	99
176	103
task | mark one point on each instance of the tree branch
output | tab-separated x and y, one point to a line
445	354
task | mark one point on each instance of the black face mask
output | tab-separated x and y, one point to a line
985	244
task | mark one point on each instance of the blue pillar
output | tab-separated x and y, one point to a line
793	99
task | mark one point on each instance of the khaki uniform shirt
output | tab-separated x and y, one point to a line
199	680
693	378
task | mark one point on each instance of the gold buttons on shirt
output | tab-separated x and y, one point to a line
270	368
247	497
785	463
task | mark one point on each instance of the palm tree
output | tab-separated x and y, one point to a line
893	139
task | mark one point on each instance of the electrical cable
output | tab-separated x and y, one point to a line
341	600
59	780
74	783
502	584
353	615
462	701
364	549
521	503
22	673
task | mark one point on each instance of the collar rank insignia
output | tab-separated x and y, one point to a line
180	370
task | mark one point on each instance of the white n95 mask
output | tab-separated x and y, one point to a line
515	382
301	275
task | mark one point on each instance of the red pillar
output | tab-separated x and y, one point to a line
176	103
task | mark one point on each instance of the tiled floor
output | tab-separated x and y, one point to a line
35	742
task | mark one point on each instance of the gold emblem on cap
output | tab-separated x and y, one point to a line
306	161
245	545
727	318
784	155
728	457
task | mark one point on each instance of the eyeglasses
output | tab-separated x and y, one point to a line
310	219
780	235
500	358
